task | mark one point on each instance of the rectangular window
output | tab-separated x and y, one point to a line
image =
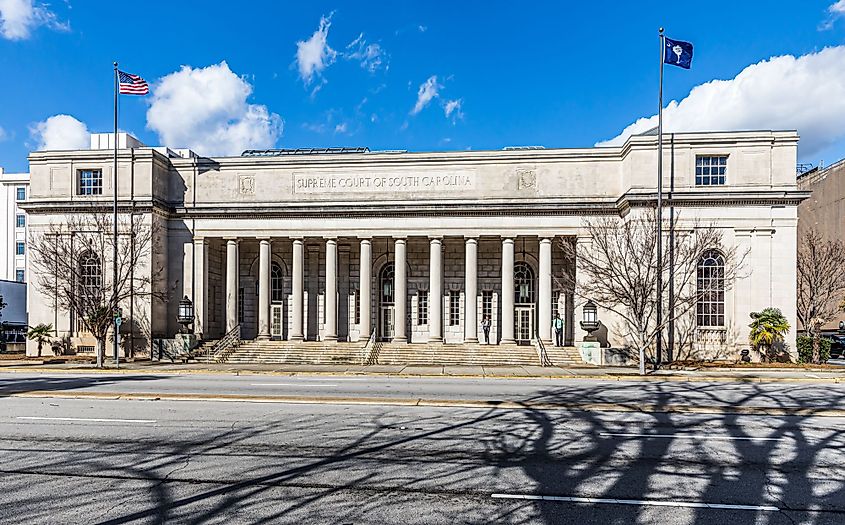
20	220
422	307
90	182
710	170
487	304
19	276
454	308
555	299
241	296
19	248
358	307
20	193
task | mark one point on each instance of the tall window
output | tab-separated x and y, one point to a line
20	248
19	276
487	304
357	307
454	308
20	193
386	282
422	307
710	308
20	220
90	279
90	182
276	282
710	171
523	281
241	296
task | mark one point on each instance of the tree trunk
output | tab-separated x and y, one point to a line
101	351
642	361
816	348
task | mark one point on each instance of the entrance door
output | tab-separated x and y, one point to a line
523	324
387	323
276	321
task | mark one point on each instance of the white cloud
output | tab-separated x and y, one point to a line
60	132
314	55
18	18
3	134
835	11
806	93
427	91
206	109
341	128
453	106
370	56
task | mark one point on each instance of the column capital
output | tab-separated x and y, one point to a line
330	238
507	240
438	238
545	240
400	240
200	240
365	240
234	240
263	240
471	239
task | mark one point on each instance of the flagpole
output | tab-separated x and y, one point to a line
659	353
116	326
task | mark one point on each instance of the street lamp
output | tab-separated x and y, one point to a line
591	320
186	313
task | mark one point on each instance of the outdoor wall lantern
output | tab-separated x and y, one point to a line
842	326
186	313
591	320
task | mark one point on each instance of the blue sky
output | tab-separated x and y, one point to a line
557	74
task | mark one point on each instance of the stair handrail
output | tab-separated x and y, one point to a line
367	350
222	348
541	352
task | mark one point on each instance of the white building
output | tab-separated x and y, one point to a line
14	190
336	245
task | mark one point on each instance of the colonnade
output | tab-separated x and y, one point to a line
435	317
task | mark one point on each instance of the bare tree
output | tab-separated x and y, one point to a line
821	283
72	262
619	270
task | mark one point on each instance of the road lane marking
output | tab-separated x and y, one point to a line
292	384
87	419
652	503
693	436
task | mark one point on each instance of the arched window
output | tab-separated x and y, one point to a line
387	284
523	283
90	279
276	281
710	308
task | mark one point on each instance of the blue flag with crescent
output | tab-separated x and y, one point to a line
677	53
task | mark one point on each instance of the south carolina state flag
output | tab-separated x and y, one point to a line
677	53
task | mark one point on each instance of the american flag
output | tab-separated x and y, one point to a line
132	84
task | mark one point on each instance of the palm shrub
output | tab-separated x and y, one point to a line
40	333
767	330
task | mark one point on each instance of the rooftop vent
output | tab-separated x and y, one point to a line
522	148
300	151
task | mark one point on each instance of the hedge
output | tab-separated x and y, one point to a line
805	349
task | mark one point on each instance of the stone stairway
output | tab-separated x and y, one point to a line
428	354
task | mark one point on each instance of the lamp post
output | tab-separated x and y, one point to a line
591	320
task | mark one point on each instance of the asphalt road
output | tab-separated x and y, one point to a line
119	461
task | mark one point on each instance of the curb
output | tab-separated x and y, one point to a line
445	403
574	376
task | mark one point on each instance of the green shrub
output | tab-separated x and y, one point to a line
805	349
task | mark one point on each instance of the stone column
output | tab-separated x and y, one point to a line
264	289
544	311
297	290
330	324
364	288
471	291
400	297
435	291
231	284
201	298
506	303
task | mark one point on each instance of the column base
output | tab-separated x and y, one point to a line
507	342
470	339
435	339
263	337
399	340
330	338
296	338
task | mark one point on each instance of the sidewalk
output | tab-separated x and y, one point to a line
515	372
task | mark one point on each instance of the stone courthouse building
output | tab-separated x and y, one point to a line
416	247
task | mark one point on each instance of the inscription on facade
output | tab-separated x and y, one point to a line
428	182
247	185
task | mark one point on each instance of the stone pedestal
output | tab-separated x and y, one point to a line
185	343
591	352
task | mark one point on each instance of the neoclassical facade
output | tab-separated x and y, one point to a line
342	245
